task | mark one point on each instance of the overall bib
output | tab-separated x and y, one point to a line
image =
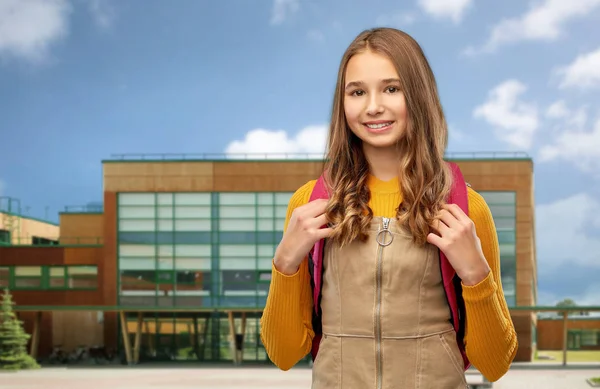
386	320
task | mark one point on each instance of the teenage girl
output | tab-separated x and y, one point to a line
385	318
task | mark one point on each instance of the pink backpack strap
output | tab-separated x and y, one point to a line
319	192
459	196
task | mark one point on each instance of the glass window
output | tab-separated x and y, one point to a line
28	277
137	237
137	212
237	224
237	212
5	237
266	225
505	223
136	199
165	212
57	277
192	212
281	211
192	225
165	224
283	198
82	277
136	250
187	238
137	263
192	263
137	225
192	198
503	210
138	282
190	250
237	198
164	198
264	211
265	198
234	280
238	250
506	236
499	197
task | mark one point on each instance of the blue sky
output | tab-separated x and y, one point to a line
83	79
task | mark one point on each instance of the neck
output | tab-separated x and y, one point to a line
383	162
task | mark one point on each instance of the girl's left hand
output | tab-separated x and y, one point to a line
457	238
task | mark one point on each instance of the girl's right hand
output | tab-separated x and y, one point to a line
303	231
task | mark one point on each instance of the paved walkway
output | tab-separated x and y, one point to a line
237	378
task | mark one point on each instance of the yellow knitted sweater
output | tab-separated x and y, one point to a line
490	338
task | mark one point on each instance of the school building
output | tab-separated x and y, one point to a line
178	257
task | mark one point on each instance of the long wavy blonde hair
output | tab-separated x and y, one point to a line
424	177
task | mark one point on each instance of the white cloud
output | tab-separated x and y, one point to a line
282	9
563	232
515	121
544	21
309	143
446	9
103	13
583	72
398	19
28	28
576	145
557	110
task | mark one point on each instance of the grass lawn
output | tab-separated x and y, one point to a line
572	356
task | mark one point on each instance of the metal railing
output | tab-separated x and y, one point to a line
492	155
57	241
83	209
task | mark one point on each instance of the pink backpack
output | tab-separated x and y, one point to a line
452	284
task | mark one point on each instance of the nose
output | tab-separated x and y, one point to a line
374	106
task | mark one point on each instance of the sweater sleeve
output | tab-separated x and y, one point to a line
490	337
286	323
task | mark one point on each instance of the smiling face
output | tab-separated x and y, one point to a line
374	105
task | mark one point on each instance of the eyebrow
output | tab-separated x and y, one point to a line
352	84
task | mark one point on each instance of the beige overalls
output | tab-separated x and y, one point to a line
385	316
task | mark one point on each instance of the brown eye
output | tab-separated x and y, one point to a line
392	89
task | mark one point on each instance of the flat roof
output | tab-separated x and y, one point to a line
295	157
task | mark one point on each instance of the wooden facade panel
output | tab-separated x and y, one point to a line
46	331
282	169
175	183
497	183
550	331
154	169
109	262
83	256
31	256
71	329
496	167
81	228
183	183
242	183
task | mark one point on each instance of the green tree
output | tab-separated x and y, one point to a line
13	338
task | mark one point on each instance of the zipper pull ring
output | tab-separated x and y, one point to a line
381	235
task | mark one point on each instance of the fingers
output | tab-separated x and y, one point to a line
323	233
440	227
457	212
447	218
435	240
